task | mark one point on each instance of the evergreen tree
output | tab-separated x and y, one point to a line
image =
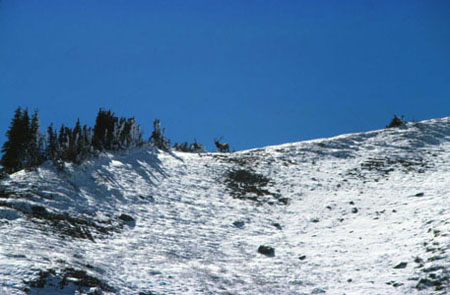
158	138
27	147
24	147
104	130
63	143
73	149
25	138
135	133
194	147
13	149
396	122
115	143
52	146
123	133
130	133
86	147
35	142
78	138
197	147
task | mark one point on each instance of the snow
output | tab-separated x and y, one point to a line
183	240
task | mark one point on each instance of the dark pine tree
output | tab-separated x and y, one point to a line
26	136
52	146
129	133
35	142
23	147
104	130
69	154
63	143
158	138
86	139
396	122
78	140
13	149
134	133
73	148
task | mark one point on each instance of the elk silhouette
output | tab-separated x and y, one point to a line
223	147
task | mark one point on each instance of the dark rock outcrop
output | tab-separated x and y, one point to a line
266	250
126	218
401	265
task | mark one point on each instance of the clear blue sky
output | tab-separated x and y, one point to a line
256	72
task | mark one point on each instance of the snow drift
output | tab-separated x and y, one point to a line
365	213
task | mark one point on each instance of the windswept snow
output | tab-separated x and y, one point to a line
368	213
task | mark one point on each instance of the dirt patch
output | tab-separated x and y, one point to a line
61	279
387	165
62	223
245	184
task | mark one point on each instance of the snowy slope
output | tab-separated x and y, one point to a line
365	213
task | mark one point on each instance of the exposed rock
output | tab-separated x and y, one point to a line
63	278
277	225
437	257
401	265
239	224
8	214
266	250
126	218
149	197
283	201
66	225
394	284
433	268
424	284
39	210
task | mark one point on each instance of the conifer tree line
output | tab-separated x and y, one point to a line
27	147
23	147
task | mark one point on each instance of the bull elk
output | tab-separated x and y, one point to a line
222	147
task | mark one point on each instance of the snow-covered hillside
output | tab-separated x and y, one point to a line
365	213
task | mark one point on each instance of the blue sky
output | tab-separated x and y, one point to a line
256	72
